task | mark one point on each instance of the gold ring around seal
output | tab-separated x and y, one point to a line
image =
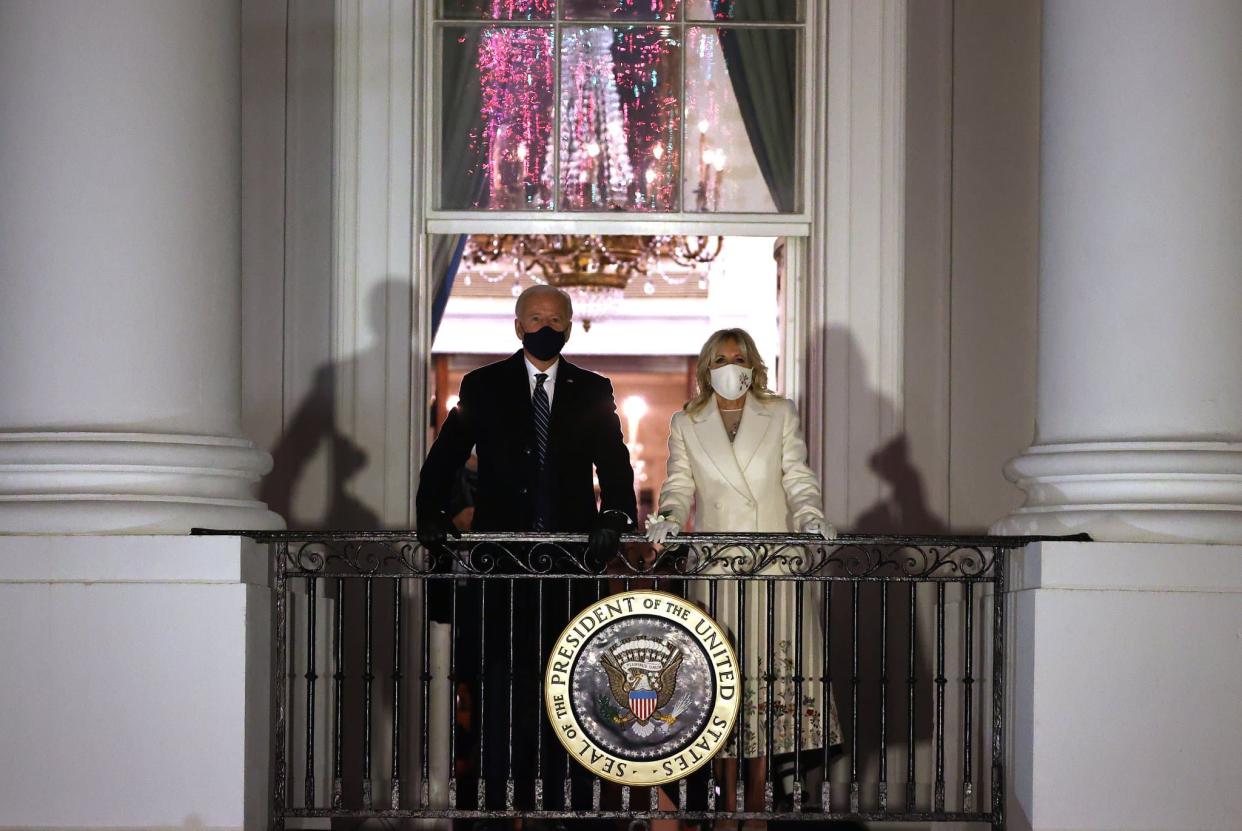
642	688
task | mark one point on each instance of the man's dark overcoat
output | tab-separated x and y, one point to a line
494	416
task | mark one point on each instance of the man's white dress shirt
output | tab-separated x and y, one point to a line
549	383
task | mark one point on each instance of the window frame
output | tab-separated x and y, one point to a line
428	98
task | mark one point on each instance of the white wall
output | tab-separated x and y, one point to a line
287	312
972	233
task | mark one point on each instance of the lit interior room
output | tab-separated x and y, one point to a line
643	329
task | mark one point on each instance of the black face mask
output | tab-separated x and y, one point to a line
544	344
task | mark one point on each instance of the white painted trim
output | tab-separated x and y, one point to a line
422	148
797	322
373	223
770	225
399	370
345	162
892	210
825	444
1127	566
94	559
928	247
521	220
857	244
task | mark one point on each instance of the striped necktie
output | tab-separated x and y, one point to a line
542	412
543	415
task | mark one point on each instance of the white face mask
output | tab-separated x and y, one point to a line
731	381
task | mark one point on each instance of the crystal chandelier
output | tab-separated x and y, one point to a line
593	269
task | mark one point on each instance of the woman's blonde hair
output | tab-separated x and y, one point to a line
703	371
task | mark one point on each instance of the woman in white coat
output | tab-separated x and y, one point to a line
737	454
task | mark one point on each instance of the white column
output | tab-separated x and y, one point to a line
120	295
1139	433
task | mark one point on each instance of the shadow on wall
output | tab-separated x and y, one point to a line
904	509
316	467
901	508
326	500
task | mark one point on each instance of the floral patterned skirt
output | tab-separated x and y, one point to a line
819	723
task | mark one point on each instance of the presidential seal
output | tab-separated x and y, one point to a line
642	687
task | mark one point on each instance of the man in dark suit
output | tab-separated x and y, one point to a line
534	403
540	427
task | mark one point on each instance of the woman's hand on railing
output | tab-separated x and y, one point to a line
818	526
660	528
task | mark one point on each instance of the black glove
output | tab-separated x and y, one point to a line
433	531
605	539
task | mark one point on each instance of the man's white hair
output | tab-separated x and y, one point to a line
540	289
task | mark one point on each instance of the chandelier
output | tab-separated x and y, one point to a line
593	270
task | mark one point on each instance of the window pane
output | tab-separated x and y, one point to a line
620	118
496	136
745	11
497	9
620	9
741	108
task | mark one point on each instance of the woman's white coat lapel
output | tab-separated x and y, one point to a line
732	457
751	432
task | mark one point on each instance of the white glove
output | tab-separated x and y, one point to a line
816	526
661	529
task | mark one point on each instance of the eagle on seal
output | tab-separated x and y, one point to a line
641	688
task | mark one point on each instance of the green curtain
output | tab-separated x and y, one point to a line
462	182
763	71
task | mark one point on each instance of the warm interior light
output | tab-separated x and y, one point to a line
594	269
634	407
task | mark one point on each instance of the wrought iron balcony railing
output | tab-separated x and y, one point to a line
872	676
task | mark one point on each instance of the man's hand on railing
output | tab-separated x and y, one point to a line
434	530
605	539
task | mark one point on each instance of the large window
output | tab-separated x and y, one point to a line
661	106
